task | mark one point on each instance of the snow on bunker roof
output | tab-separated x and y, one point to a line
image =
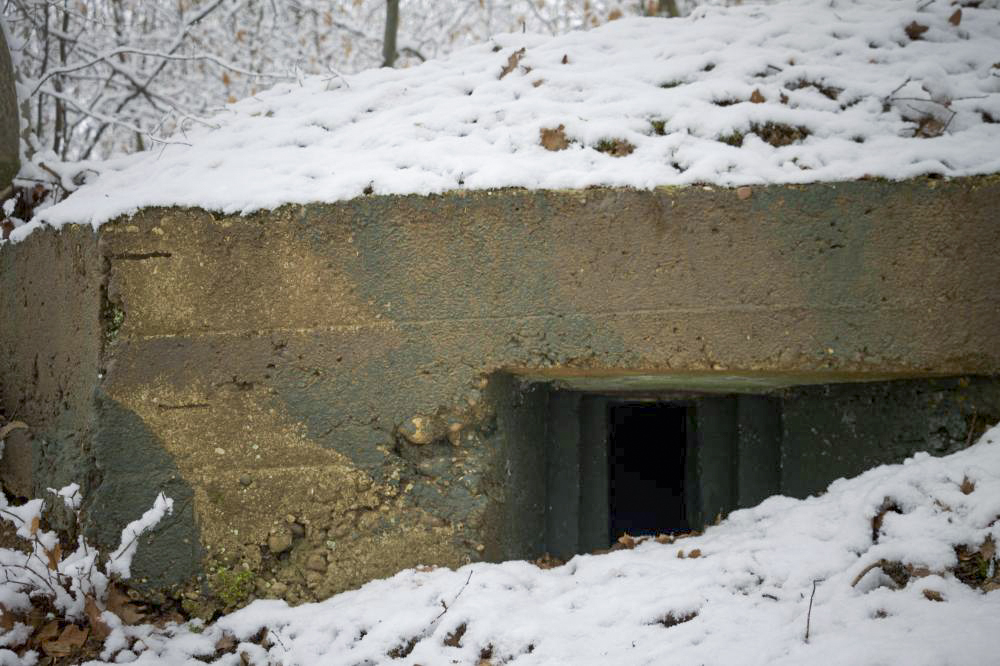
797	92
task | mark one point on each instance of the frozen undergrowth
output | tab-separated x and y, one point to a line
799	91
904	557
46	593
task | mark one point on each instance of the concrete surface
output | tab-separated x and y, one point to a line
335	392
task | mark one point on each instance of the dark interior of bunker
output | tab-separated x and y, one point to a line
634	458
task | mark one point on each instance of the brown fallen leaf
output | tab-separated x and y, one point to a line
34	525
54	556
967	486
915	30
454	639
933	595
547	561
956	18
98	627
537	82
554	138
6	618
512	62
627	541
664	538
48	632
227	643
988	550
757	97
783	98
74	635
121	605
565	59
56	648
695	553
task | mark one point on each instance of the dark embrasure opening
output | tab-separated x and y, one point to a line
647	446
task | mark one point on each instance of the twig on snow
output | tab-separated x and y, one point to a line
809	613
465	585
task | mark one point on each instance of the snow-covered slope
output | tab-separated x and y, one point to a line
903	559
798	91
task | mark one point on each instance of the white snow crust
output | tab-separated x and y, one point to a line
746	596
875	95
120	561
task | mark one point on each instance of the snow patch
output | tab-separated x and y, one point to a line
883	552
795	92
120	561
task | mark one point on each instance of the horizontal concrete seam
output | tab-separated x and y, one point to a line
211	471
393	323
140	256
194	405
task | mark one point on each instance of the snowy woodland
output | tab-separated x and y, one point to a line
128	103
103	77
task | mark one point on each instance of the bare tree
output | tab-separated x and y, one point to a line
391	28
110	76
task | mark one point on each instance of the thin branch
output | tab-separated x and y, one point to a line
108	55
109	120
809	614
446	607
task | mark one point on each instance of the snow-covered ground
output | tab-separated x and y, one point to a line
882	549
799	91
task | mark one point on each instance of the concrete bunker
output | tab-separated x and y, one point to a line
396	381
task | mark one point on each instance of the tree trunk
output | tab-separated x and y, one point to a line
391	28
9	118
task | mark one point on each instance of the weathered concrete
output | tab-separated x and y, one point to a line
350	384
10	128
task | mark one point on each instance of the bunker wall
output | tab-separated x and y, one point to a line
335	392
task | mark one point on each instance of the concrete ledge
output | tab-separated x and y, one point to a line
317	381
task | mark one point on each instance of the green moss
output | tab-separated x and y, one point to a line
659	126
614	147
776	134
779	134
232	587
114	317
733	139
